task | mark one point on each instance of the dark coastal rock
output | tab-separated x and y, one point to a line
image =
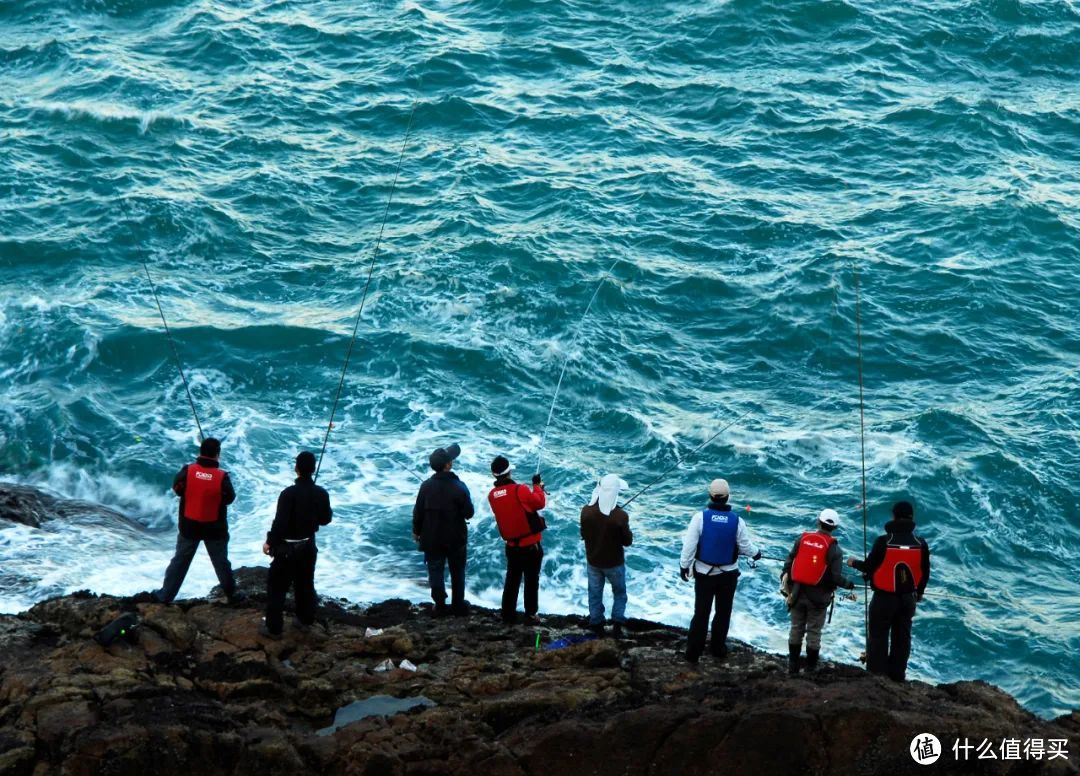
200	691
35	508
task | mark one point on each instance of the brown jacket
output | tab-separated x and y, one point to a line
605	536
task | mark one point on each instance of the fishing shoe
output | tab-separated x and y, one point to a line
794	661
267	633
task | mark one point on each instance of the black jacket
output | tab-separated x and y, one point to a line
442	507
193	529
900	532
301	509
821	593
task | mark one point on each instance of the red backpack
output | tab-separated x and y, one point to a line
809	565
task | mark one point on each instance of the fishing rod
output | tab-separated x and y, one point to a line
959	596
406	468
367	285
940	594
176	354
862	444
566	362
762	557
689	455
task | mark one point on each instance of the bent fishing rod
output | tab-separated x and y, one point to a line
175	352
367	285
862	442
688	456
566	362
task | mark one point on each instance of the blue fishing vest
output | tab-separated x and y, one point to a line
718	546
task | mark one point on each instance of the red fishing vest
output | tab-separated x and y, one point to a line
510	515
202	493
900	559
809	565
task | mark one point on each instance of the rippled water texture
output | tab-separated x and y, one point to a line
741	160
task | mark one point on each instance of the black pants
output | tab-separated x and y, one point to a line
298	571
718	589
436	563
889	643
522	562
217	549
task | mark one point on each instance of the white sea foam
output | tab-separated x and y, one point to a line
134	499
111	111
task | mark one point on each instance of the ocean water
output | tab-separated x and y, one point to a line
738	162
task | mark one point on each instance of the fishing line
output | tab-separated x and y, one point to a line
406	468
828	351
566	362
363	298
832	322
862	443
763	557
934	593
176	354
939	593
688	456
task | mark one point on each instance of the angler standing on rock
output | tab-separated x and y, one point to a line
605	529
813	570
439	528
898	568
205	492
301	509
713	542
517	514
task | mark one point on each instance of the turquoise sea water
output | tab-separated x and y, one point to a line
739	159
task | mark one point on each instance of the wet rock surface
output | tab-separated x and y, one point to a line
35	508
200	691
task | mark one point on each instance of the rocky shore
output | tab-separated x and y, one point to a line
196	690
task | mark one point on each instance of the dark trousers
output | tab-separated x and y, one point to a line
297	571
718	589
436	563
889	643
522	562
217	549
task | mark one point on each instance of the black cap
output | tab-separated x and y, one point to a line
210	447
305	463
500	466
443	456
903	510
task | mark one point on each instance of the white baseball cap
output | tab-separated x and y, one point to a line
829	517
719	488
